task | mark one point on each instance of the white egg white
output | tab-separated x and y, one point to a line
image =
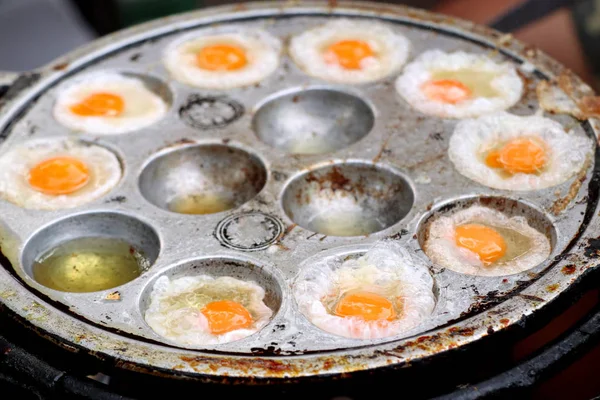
506	83
566	152
386	269
103	165
262	52
143	107
442	249
182	322
390	47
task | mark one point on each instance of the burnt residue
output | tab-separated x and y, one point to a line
552	288
399	235
562	202
61	66
177	143
437	136
287	231
592	250
529	297
279	176
569	269
117	199
455	331
202	112
334	180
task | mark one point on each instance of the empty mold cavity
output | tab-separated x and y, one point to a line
348	199
313	121
202	179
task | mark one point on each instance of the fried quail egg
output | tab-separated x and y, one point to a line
202	310
483	241
459	84
50	174
350	51
107	103
510	152
385	292
223	59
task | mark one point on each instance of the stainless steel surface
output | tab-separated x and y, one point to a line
348	199
258	238
313	121
202	179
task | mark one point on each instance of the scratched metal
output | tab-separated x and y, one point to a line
258	239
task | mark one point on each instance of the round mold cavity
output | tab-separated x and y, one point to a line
202	179
348	199
141	237
220	266
535	217
313	121
314	267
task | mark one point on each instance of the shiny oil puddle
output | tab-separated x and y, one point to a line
89	265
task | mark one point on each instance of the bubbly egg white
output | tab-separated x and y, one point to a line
566	152
103	166
262	52
143	107
506	83
386	269
182	322
442	249
391	49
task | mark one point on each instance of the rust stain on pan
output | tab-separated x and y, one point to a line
566	95
569	269
561	203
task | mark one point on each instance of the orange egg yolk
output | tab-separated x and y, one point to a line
449	91
60	175
226	316
221	57
349	54
100	105
486	242
518	155
365	305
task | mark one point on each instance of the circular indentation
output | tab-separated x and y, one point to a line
313	121
202	179
201	112
218	267
90	239
249	232
515	216
348	199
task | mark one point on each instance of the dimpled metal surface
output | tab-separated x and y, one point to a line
264	237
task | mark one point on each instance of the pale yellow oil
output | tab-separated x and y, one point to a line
478	81
202	295
204	203
344	224
89	265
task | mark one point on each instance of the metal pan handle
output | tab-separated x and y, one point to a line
7	79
